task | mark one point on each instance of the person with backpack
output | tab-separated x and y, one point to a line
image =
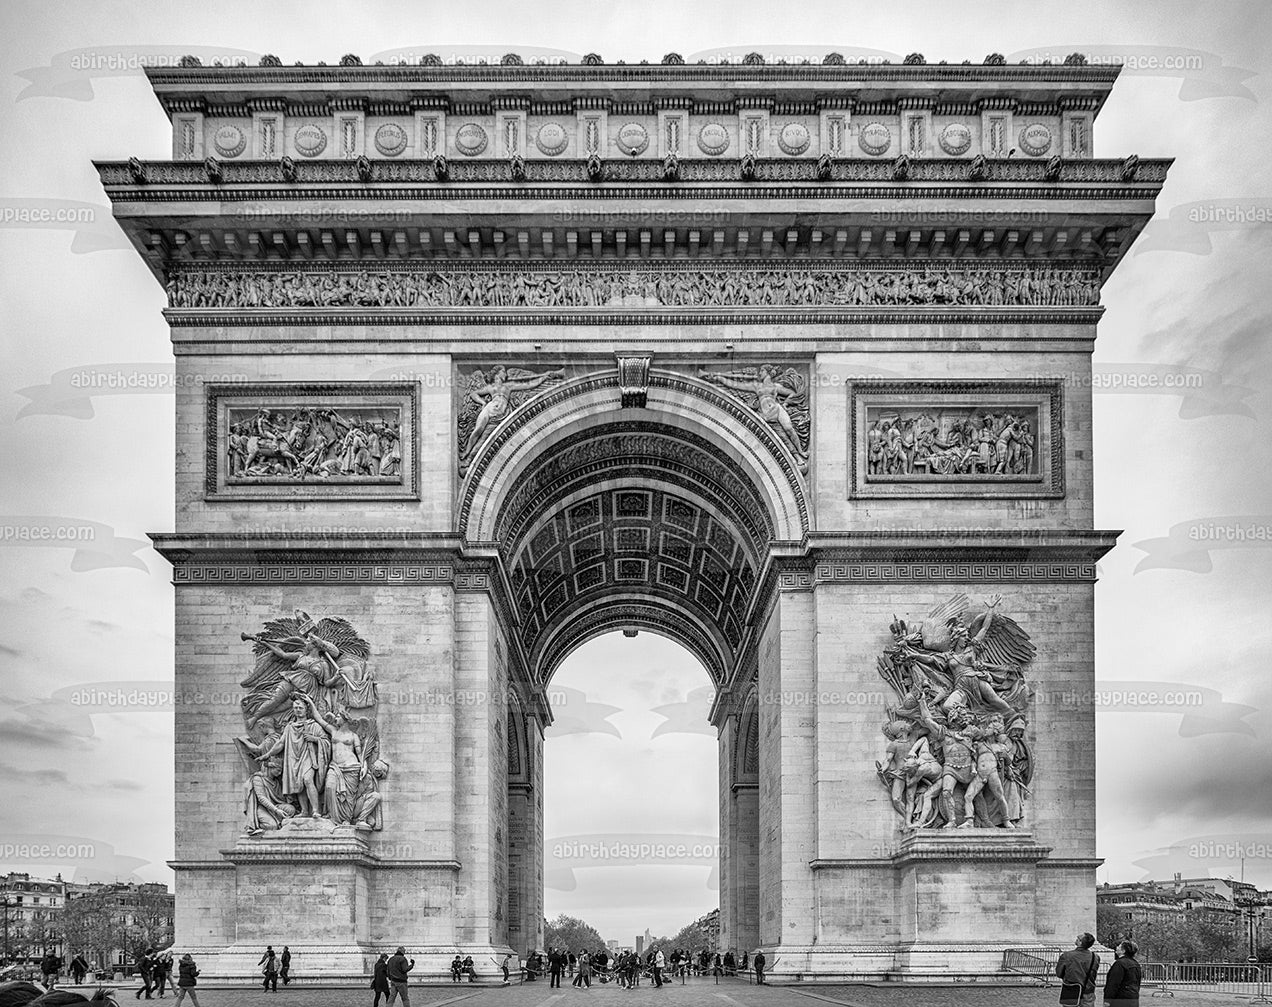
187	976
1076	969
50	967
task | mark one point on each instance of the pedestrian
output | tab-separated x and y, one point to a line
399	973
269	968
1076	969
187	976
162	972
571	961
717	967
759	968
50	966
730	963
744	966
380	979
1122	984
577	969
285	960
456	968
556	965
659	962
146	969
507	979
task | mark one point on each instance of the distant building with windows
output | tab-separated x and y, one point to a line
1235	905
105	922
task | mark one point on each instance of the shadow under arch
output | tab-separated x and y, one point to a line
658	518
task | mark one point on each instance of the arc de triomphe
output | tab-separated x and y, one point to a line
789	363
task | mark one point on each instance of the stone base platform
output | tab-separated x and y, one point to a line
972	963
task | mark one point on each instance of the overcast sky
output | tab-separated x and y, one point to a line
1170	615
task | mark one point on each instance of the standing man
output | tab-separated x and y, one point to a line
50	966
659	962
1078	967
556	964
79	968
759	968
285	959
399	972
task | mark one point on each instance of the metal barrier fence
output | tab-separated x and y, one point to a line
1040	963
1248	980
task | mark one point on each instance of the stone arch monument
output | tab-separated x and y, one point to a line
790	363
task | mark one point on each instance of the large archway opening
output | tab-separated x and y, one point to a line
660	522
631	812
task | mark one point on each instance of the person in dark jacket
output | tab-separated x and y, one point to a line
457	968
146	969
162	973
187	976
285	960
1079	966
50	966
79	969
556	965
399	973
380	979
759	968
1122	984
269	968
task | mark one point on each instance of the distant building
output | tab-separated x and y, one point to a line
1235	905
29	909
107	923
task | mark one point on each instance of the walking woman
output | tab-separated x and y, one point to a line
1122	984
187	976
380	979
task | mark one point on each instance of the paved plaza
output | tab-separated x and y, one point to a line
696	993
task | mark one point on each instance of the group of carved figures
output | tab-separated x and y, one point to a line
319	443
978	443
779	396
957	754
596	288
312	748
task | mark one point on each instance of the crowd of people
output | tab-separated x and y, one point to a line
627	968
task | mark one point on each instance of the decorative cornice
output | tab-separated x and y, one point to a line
239	317
724	74
774	178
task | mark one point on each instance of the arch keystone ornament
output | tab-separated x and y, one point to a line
845	463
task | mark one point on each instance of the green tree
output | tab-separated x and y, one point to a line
572	934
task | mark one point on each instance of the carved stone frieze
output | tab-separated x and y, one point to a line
934	285
311	439
957	753
956	438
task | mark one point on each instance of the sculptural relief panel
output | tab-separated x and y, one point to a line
957	752
956	438
310	441
311	751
